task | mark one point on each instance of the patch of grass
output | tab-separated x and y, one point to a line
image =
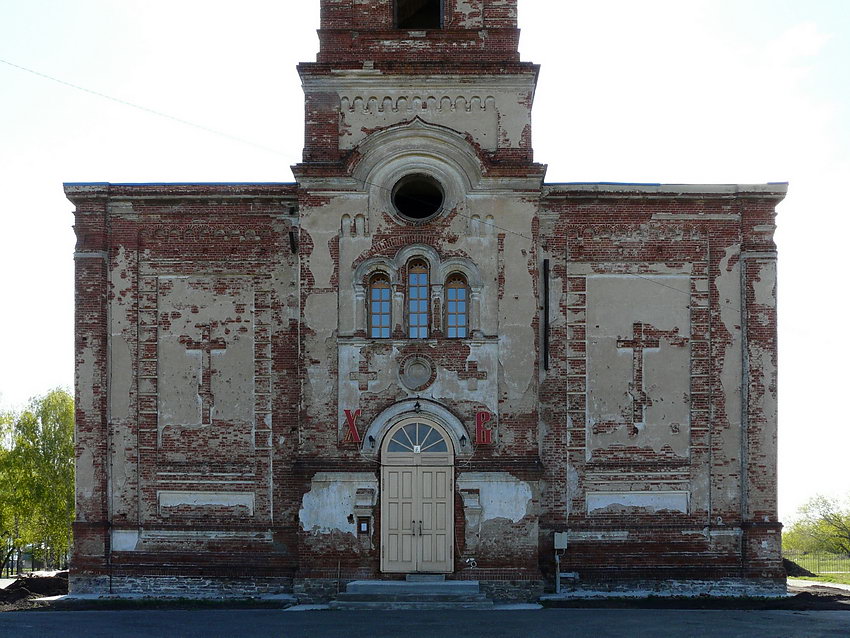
827	578
820	562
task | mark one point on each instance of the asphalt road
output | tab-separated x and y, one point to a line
546	623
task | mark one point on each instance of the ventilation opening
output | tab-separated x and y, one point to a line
418	197
418	14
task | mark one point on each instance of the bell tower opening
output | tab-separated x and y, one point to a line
419	14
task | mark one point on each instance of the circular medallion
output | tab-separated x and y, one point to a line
416	372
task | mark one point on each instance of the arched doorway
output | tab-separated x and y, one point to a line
417	498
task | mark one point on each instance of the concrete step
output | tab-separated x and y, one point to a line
427	594
413	587
425	578
449	598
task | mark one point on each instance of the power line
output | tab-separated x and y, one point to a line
270	150
201	127
142	108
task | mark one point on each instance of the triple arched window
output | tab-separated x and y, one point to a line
419	322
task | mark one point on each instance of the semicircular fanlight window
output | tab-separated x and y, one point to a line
417	438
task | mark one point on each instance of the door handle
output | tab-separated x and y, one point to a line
420	528
413	527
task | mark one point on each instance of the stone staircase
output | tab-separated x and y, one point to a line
419	591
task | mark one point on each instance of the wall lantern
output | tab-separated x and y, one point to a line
463	440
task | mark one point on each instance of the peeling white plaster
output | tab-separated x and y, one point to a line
646	501
764	286
124	540
500	494
169	499
329	505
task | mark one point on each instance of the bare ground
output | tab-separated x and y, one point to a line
29	595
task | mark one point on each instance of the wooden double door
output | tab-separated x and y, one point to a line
417	500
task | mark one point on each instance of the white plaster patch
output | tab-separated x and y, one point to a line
610	535
120	359
209	313
500	494
120	377
205	499
85	381
124	540
728	283
84	475
764	286
331	500
641	321
647	501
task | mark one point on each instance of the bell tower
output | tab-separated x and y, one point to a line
454	63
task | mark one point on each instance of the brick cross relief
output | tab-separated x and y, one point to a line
363	375
206	346
644	336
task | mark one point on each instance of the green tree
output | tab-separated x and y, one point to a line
823	526
37	476
11	493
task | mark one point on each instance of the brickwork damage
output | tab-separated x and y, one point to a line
530	358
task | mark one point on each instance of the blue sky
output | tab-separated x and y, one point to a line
657	91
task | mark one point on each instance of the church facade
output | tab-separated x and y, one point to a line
420	357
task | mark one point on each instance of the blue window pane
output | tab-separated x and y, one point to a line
452	333
461	332
438	447
452	306
461	320
461	306
452	294
385	307
461	293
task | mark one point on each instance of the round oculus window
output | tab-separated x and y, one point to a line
418	197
